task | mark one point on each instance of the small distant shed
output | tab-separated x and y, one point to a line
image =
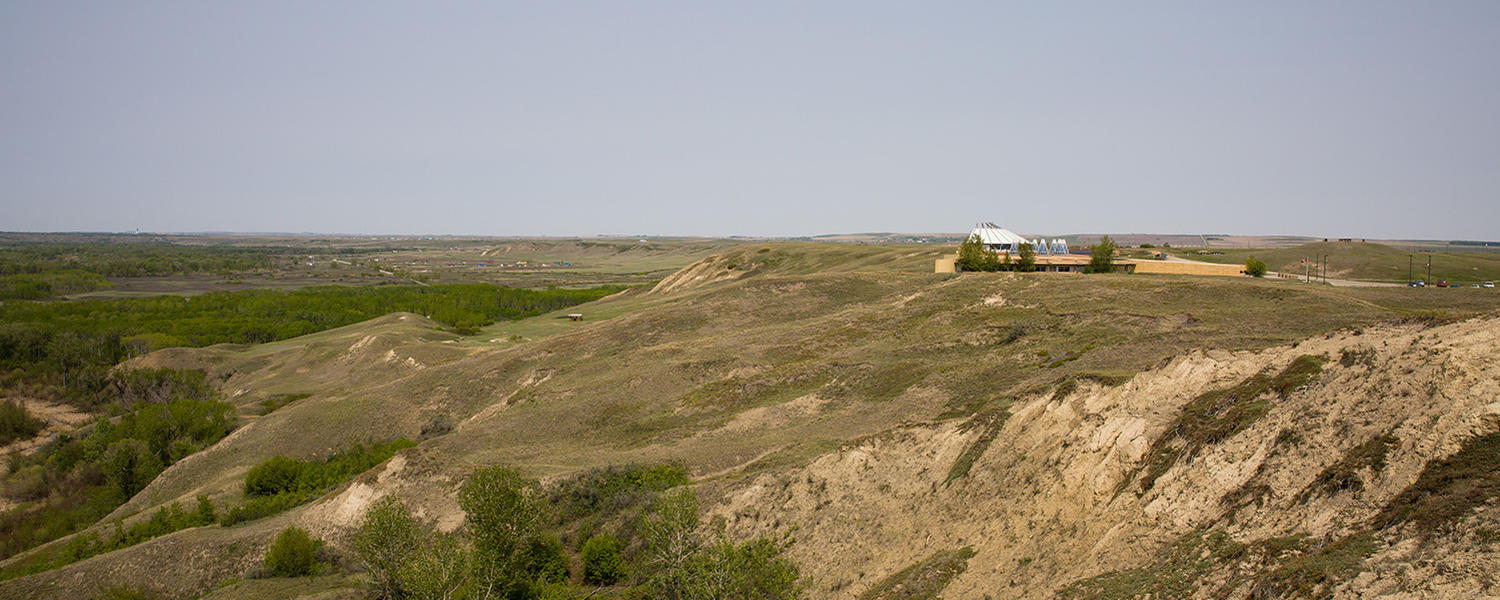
575	317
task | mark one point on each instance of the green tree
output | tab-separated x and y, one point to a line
129	465
292	554
601	560
1025	258
1103	259
1254	267
204	514
544	559
387	537
686	566
670	529
439	570
971	254
501	511
755	570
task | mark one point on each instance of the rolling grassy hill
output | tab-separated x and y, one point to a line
745	366
1365	261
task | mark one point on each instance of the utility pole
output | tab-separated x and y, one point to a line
1411	260
1429	269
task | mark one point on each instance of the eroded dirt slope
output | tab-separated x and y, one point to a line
1056	496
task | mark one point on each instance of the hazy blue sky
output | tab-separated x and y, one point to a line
1342	118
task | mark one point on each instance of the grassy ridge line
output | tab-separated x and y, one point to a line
67	348
256	316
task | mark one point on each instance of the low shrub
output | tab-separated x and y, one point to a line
544	559
275	475
601	560
292	554
16	423
612	489
279	483
1254	267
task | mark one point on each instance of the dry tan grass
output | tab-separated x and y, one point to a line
764	367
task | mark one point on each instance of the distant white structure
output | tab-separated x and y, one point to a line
995	238
999	239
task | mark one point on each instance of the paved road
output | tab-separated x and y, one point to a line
1340	282
1298	276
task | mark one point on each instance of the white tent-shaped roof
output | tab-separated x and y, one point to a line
993	236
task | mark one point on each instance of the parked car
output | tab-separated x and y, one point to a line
1417	283
1442	283
1489	284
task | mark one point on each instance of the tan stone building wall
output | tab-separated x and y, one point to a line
1162	267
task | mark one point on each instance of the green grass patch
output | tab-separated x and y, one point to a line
780	385
1344	475
270	405
1448	489
1214	416
1278	567
1067	357
989	424
1175	573
877	383
924	580
1315	574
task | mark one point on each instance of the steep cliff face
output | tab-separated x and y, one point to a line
1260	468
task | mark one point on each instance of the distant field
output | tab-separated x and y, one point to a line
1363	261
38	266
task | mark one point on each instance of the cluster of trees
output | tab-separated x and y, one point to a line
974	256
66	349
504	550
134	260
271	487
74	481
165	520
50	283
279	483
